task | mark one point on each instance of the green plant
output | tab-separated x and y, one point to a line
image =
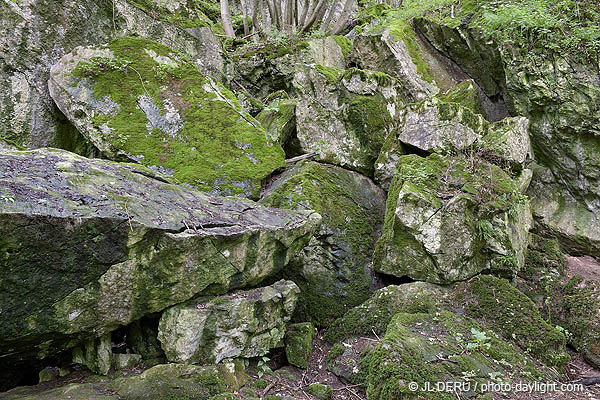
481	340
263	367
485	229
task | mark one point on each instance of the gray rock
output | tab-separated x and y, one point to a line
449	218
333	270
96	354
345	116
95	244
35	34
242	324
125	361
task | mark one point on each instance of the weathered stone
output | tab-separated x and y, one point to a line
35	34
242	324
176	118
89	245
415	349
125	361
96	354
344	358
48	374
449	218
396	52
437	125
333	271
385	165
320	391
298	343
327	52
279	120
557	213
374	315
508	139
345	115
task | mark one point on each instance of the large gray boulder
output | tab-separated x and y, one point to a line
449	218
240	324
334	269
139	101
87	246
35	34
345	115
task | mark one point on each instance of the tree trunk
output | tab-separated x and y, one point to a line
344	17
226	18
325	25
313	16
245	16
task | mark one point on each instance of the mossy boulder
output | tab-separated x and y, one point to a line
123	361
95	354
299	342
279	120
397	51
35	36
89	245
320	391
241	324
139	101
373	316
429	348
345	115
450	217
142	338
498	305
333	270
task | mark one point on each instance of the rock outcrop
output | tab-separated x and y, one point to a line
333	270
89	245
240	324
179	122
345	115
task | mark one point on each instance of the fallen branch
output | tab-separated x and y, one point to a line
300	158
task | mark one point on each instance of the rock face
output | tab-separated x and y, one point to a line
345	115
449	218
96	354
88	245
243	324
35	34
179	122
558	213
558	93
298	343
416	346
333	270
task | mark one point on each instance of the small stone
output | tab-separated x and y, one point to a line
320	391
298	343
48	374
126	361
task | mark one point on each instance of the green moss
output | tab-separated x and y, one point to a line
320	391
298	343
414	343
508	311
190	15
402	30
260	383
12	144
332	74
234	150
465	94
345	44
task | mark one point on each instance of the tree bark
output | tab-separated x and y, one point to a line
313	16
344	17
245	16
226	18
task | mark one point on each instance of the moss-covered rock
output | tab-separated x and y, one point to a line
298	343
241	324
374	315
320	391
184	13
125	361
96	354
345	115
279	120
450	217
429	348
139	101
89	245
333	270
34	36
142	338
558	213
503	308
